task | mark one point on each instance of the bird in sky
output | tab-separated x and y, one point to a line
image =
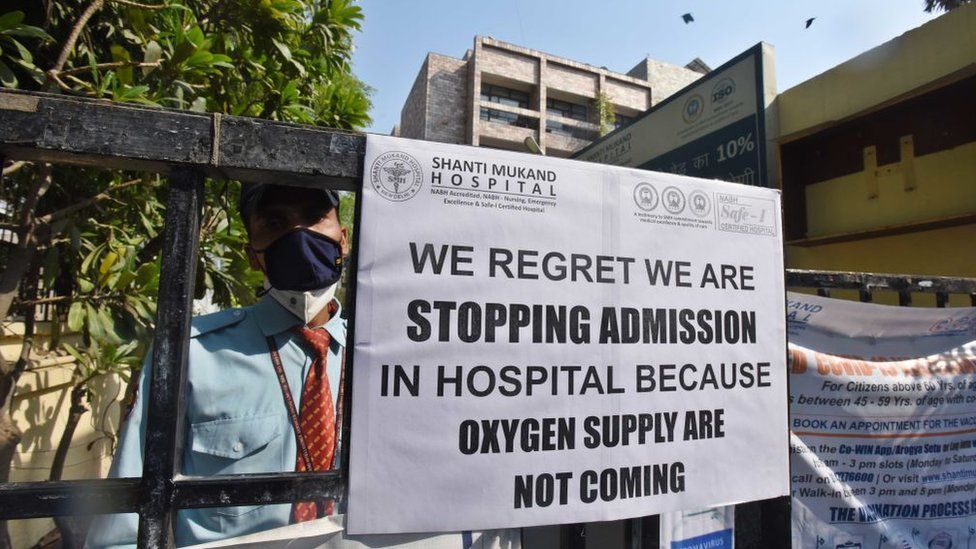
809	22
687	18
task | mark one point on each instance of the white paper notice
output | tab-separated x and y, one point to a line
545	341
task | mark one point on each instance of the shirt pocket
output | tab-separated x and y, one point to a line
238	445
246	444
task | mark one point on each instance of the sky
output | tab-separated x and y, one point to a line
398	34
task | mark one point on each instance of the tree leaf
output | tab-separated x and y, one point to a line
200	58
145	274
84	286
121	55
7	77
107	262
195	36
11	19
26	31
125	277
22	51
76	316
108	326
90	258
130	94
285	52
94	326
133	37
74	352
152	54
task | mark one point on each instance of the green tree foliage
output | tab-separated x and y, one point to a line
606	116
943	5
92	237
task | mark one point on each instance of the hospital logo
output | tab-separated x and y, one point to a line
674	200
396	176
693	108
645	196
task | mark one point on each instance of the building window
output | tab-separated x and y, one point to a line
567	109
621	120
571	131
504	96
507	118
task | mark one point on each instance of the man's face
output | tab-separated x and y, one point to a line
274	221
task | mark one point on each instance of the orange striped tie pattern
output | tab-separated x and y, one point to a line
317	421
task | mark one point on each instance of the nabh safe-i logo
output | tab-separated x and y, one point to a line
396	176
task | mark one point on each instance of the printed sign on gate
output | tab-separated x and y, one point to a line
544	341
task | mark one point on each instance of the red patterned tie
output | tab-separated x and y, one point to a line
317	420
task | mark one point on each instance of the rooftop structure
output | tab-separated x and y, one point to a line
499	93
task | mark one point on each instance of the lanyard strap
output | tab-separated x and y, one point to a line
290	404
293	411
342	384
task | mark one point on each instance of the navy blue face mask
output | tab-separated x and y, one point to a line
303	260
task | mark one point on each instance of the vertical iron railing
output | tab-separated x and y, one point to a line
164	418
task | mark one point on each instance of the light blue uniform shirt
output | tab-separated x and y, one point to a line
236	419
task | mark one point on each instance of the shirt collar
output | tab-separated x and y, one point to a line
273	319
336	326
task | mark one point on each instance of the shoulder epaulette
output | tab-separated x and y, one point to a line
214	321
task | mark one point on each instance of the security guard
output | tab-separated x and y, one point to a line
257	400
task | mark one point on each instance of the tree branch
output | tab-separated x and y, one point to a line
19	260
65	299
67	526
142	6
38	189
76	410
68	210
69	43
80	82
112	65
60	83
14	166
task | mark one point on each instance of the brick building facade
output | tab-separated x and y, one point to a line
499	93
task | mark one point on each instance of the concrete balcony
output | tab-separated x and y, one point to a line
505	132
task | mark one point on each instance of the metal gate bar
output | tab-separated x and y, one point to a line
171	342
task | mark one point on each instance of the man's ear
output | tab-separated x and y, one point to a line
252	258
344	242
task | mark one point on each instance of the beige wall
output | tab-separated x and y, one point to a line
571	80
918	58
40	410
914	214
627	95
509	64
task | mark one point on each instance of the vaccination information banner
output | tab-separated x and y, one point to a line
545	341
883	416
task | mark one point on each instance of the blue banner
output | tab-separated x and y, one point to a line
716	540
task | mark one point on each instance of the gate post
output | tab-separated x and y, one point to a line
164	428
